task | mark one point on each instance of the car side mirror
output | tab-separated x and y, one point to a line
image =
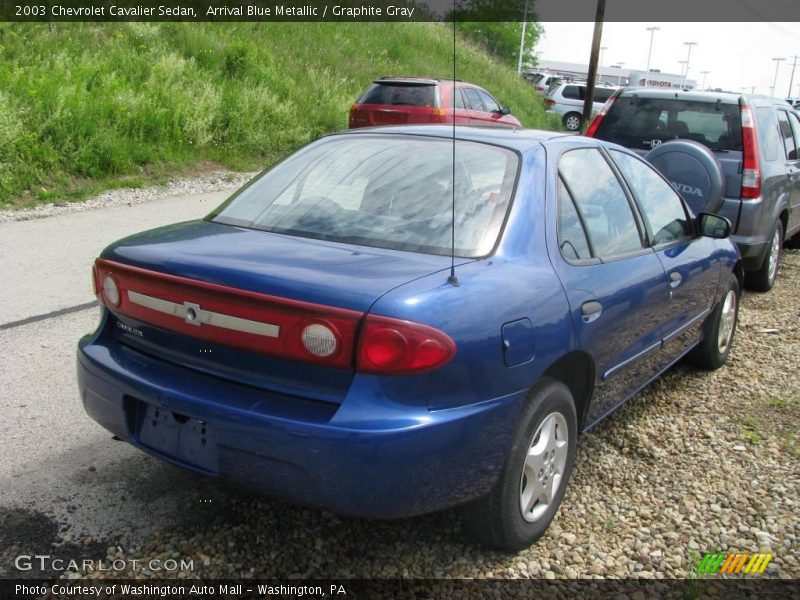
504	110
713	226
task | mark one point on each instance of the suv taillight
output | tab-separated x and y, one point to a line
598	118
439	115
549	102
751	169
395	347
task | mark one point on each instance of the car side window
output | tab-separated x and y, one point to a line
459	98
473	98
573	92
571	235
663	209
787	135
602	202
489	102
795	123
768	132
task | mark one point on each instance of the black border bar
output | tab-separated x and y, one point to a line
709	11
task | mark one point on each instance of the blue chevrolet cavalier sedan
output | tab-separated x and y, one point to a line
392	322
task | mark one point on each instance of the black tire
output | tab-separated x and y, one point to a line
497	519
764	278
711	354
572	121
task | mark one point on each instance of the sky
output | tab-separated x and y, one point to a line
738	55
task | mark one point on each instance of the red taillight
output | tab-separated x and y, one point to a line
751	169
598	118
549	102
351	115
439	115
394	347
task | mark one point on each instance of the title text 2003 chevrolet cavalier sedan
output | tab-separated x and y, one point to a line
306	338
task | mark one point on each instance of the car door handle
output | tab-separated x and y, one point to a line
591	311
675	279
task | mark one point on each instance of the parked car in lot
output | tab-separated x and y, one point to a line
421	100
390	322
542	81
755	140
566	99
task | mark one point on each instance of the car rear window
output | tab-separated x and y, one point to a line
645	122
387	191
400	94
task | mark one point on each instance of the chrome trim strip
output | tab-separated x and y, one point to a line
204	317
668	338
634	358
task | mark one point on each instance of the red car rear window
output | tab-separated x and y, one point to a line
400	94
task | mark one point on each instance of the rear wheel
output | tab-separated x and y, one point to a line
713	351
764	278
532	484
572	121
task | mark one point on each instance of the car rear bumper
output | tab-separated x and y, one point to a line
400	462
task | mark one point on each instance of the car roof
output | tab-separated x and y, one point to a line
510	137
649	92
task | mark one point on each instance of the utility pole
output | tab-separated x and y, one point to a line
652	31
522	39
592	75
688	58
704	77
791	80
775	80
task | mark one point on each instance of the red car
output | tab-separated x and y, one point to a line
407	100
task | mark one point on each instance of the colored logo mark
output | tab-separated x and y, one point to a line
726	562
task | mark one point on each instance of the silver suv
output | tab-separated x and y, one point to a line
756	143
565	98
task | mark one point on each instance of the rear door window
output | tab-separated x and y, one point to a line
787	136
645	122
573	92
662	207
400	94
768	133
601	201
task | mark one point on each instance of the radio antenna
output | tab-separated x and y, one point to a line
452	279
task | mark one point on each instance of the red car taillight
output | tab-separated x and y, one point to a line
390	346
751	169
598	118
439	115
351	115
549	102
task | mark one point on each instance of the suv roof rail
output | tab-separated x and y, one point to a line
387	77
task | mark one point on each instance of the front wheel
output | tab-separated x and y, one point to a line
531	486
713	351
572	121
763	279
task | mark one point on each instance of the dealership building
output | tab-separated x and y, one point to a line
617	75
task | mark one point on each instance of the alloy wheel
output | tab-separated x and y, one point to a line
543	470
727	321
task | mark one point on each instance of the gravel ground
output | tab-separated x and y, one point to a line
213	181
699	462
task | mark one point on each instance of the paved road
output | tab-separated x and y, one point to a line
57	274
61	475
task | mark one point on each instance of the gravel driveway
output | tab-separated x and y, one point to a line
699	462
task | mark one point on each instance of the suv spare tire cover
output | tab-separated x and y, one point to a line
693	171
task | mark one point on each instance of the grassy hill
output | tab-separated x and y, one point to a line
85	107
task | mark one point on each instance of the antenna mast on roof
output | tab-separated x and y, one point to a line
452	279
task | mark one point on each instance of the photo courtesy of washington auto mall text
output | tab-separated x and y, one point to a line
400	299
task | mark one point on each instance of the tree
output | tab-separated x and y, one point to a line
502	39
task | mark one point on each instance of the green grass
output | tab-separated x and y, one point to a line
92	106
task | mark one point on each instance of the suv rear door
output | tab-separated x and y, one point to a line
792	146
641	122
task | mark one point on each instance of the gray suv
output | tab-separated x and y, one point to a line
756	143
